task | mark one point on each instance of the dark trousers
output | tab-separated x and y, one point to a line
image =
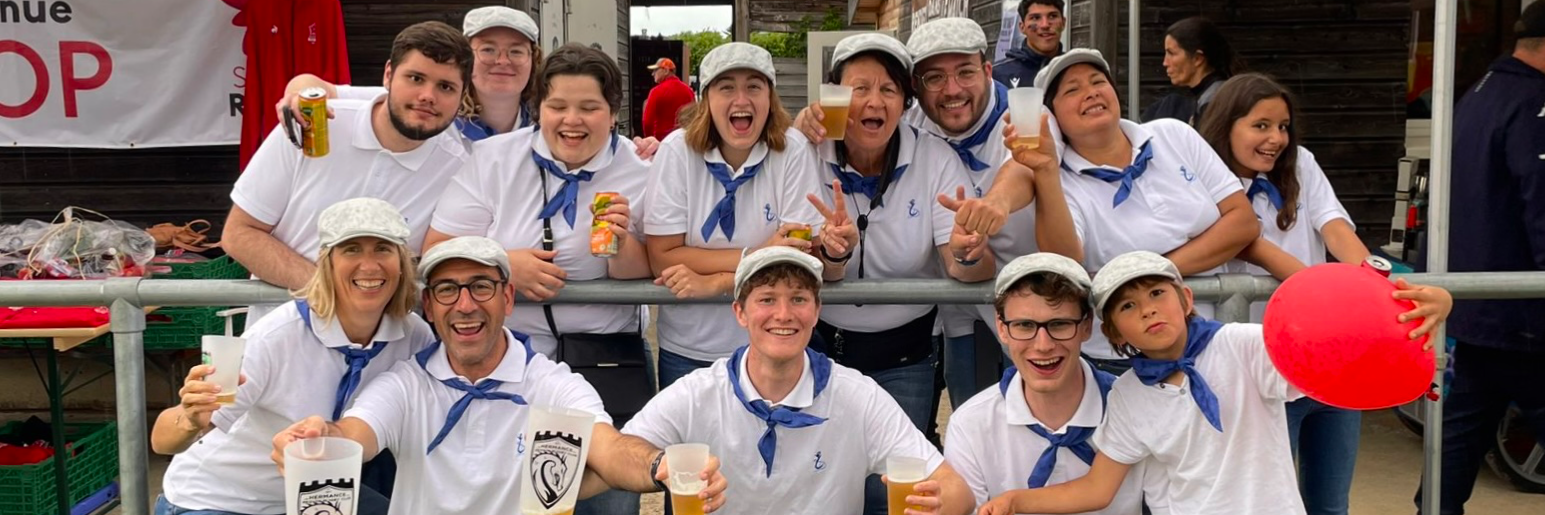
1486	381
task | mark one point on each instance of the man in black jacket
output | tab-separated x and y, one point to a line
1042	23
1498	224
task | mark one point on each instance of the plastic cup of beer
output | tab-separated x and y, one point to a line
322	478
1025	114
901	475
556	442
686	462
224	352
835	99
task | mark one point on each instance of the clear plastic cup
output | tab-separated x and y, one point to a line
557	441
902	474
224	352
321	475
835	99
686	462
1025	114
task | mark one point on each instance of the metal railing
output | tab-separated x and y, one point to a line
127	296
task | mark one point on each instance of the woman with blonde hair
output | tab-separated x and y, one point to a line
350	323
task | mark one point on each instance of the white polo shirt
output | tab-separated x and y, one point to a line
816	469
283	188
292	373
477	468
682	194
1174	201
903	236
991	448
1317	206
1017	238
500	196
1246	468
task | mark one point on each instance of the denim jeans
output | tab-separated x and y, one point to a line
1486	380
674	366
1324	439
912	387
370	503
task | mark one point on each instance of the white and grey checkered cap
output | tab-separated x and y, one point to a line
946	36
484	18
737	56
472	248
852	45
1041	262
1126	267
362	216
756	261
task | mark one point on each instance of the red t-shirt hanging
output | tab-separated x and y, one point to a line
286	38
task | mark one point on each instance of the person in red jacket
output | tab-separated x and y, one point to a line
669	95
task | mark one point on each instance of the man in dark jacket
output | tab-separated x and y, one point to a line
1042	23
1497	224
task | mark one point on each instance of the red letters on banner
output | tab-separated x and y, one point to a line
69	83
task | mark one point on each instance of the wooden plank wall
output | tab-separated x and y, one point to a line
791	76
781	15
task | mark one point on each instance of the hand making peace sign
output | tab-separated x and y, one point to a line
839	236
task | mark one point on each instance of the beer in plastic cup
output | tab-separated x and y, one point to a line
224	352
556	441
901	475
835	99
1025	114
322	478
686	462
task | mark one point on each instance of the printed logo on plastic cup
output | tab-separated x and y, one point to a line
326	497
555	465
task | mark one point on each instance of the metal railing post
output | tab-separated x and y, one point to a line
1444	27
1238	290
128	320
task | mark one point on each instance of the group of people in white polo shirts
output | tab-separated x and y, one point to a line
801	403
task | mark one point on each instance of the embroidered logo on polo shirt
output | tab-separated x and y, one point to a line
520	444
1187	174
767	212
555	465
819	465
325	497
912	211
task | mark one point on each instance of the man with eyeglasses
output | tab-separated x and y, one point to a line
455	414
1042	23
1033	428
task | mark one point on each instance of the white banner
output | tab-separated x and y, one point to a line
120	73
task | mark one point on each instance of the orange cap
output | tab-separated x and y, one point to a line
664	62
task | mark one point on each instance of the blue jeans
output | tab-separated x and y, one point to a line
674	366
610	502
912	387
370	503
1324	439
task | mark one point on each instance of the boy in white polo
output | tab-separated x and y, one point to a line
1034	428
343	332
454	413
797	432
393	147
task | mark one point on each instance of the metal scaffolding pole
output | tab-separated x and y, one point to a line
1437	237
1134	68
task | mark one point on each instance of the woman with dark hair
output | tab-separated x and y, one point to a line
532	191
731	180
1197	58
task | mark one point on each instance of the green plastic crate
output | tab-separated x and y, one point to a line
222	267
165	329
29	489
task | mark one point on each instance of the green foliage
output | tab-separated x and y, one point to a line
701	42
779	44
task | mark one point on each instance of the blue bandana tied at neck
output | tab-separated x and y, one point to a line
357	359
1261	185
723	214
963	149
1076	439
792	418
870	186
483	391
567	198
1126	175
1199	333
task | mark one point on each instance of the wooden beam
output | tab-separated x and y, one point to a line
1105	26
743	20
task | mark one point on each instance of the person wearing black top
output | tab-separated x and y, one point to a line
1197	59
1042	23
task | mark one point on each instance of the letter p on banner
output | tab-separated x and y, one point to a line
69	82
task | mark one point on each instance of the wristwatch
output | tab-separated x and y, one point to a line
654	471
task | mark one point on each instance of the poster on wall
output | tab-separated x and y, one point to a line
924	11
141	73
1009	36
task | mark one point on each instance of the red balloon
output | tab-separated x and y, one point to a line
1333	331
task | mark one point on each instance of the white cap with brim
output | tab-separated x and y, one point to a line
477	249
946	36
737	56
859	43
1067	60
1126	267
1025	265
761	259
358	217
484	18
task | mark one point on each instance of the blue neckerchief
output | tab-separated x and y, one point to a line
820	367
1261	185
1076	438
723	214
963	149
1126	175
567	198
869	186
483	390
1199	333
357	359
473	128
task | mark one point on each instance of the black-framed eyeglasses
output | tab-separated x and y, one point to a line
448	292
1060	329
965	77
